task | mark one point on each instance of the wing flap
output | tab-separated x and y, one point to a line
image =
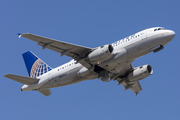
22	79
45	92
136	87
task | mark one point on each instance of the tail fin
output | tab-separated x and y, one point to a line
35	66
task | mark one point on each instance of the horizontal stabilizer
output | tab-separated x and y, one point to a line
45	92
22	79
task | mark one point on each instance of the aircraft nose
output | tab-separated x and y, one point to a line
169	35
172	34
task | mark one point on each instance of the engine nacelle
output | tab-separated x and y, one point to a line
100	53
140	73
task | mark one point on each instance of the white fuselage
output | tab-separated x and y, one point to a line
125	52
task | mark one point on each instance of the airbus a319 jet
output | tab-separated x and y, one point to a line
107	62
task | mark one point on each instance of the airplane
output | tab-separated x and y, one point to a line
107	62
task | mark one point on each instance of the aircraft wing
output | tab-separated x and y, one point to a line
75	51
134	86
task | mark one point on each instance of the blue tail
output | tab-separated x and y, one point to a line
35	66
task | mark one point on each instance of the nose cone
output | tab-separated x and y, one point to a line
168	36
172	34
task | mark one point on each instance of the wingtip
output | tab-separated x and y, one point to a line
6	75
19	34
136	93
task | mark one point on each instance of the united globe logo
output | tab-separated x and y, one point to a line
39	68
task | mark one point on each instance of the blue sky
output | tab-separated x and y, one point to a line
88	23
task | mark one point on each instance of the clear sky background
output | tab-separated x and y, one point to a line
89	23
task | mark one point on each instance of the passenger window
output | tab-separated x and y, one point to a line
118	43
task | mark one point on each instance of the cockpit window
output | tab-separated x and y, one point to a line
159	29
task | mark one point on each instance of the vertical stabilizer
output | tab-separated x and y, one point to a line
35	66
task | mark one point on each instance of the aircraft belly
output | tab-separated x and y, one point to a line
119	57
92	76
138	49
67	78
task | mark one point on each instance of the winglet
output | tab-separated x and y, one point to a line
19	34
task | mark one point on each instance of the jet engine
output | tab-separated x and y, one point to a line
100	53
139	73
